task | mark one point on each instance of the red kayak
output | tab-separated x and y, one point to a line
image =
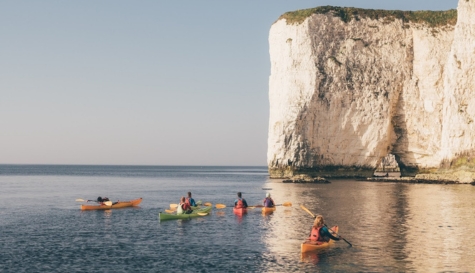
239	211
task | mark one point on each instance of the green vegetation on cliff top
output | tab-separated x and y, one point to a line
432	18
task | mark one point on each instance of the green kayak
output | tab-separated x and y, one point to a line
196	213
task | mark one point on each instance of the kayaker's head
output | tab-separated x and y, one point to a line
182	199
268	194
319	222
99	199
189	194
239	194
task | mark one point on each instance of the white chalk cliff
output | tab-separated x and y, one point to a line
350	86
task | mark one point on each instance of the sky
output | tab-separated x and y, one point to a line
118	82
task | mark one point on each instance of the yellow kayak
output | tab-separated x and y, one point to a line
308	245
266	210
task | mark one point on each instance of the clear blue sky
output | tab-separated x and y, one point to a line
142	82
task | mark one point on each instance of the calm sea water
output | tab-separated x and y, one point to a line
393	227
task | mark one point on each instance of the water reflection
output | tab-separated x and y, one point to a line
393	226
220	213
441	233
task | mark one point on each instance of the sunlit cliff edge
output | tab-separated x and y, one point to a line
349	86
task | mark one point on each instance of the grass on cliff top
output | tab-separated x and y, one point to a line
432	18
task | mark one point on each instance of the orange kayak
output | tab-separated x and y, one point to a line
266	210
118	205
308	246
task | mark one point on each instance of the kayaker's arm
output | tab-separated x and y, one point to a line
327	233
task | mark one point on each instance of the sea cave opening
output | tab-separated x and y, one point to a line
388	167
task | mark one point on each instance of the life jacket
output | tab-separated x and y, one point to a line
268	202
187	200
183	208
239	204
315	235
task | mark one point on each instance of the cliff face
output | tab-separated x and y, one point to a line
349	86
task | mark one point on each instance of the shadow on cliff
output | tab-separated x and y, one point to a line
400	147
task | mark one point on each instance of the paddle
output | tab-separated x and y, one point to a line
286	204
313	215
82	200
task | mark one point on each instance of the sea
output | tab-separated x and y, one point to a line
392	227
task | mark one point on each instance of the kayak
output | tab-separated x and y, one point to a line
118	205
308	246
170	216
239	211
266	210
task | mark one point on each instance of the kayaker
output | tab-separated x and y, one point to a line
320	232
183	207
240	202
102	200
190	200
268	202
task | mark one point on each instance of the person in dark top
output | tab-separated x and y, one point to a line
240	202
268	201
320	232
102	199
190	200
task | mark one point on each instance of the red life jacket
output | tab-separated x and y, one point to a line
315	235
187	200
185	206
239	203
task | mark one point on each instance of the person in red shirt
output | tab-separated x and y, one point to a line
240	202
184	207
320	232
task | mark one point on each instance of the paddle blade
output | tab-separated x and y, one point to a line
220	206
80	200
173	206
169	211
208	204
202	213
287	204
305	209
